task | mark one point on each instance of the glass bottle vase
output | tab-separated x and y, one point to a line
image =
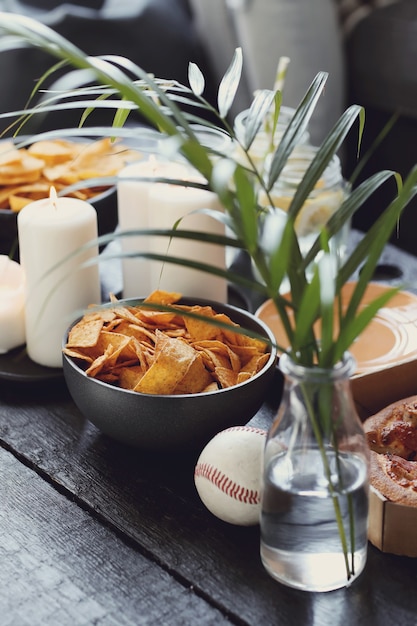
314	505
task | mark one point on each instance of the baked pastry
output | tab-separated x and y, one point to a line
392	438
394	429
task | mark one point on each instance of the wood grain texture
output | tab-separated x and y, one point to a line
60	566
93	532
151	504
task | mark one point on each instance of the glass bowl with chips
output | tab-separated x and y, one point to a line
163	380
28	170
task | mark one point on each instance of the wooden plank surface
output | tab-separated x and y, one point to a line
93	532
60	566
151	503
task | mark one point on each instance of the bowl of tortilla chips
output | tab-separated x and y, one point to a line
28	172
166	372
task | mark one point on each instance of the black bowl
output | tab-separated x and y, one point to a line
172	422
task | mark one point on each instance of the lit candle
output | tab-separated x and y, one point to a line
12	305
48	231
146	204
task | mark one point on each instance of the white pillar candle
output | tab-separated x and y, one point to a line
12	305
133	211
147	204
169	203
48	231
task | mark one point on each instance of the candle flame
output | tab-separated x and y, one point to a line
53	197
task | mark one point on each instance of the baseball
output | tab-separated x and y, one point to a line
227	475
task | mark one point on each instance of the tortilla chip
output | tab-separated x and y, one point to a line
225	377
78	354
195	379
199	329
157	352
172	361
85	334
163	297
129	377
59	163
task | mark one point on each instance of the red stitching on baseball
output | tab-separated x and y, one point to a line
225	484
250	429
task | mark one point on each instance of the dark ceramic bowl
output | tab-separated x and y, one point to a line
105	204
171	422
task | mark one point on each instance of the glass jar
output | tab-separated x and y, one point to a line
285	116
325	199
314	500
261	146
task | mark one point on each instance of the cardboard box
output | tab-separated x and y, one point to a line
392	527
373	391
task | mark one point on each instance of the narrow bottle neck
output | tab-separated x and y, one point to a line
343	370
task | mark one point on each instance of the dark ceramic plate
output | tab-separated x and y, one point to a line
16	365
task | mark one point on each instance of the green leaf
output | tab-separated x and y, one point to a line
296	128
120	117
326	270
351	329
307	312
354	201
270	125
176	111
374	241
196	79
223	171
256	115
278	228
245	195
324	155
229	84
375	144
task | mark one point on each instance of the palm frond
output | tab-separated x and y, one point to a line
177	113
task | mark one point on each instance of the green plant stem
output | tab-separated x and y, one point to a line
335	498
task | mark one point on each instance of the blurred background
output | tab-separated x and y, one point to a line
367	46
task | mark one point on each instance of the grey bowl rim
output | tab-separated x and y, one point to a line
271	363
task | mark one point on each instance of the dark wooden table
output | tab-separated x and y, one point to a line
93	532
